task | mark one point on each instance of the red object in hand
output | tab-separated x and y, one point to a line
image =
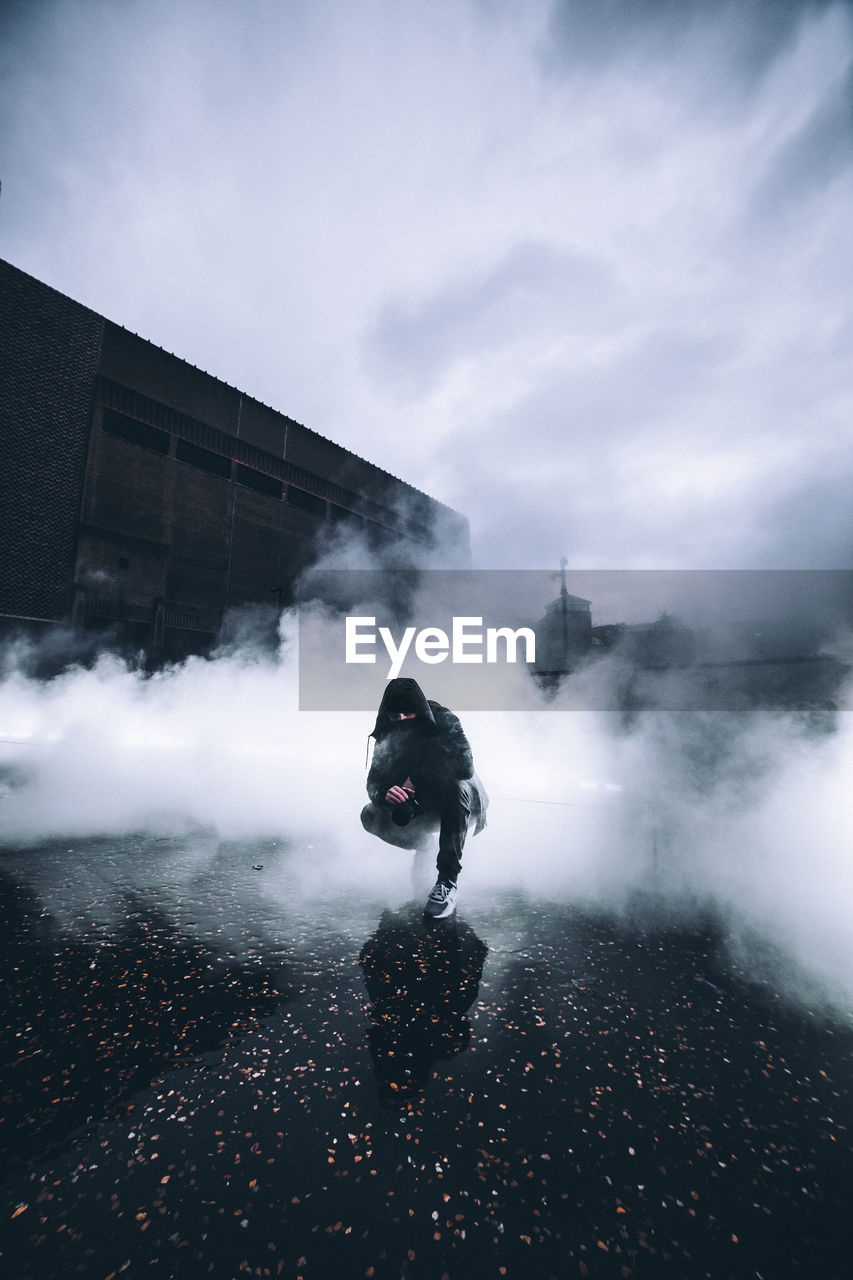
399	795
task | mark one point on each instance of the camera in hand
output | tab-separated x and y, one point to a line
402	814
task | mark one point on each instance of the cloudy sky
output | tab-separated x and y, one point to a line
579	268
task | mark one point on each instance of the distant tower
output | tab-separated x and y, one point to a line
564	635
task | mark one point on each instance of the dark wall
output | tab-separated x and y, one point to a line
256	547
144	367
50	351
149	493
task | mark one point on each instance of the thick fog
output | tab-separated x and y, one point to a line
741	815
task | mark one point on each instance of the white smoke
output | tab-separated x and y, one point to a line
745	815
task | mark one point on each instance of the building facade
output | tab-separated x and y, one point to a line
147	498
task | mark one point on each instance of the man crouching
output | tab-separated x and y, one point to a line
422	780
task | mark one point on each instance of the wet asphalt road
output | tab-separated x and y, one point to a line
206	1076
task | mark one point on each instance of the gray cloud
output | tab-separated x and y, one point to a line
810	523
585	264
535	290
817	153
699	39
673	448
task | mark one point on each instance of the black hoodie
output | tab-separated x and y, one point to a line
432	749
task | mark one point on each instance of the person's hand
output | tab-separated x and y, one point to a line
399	795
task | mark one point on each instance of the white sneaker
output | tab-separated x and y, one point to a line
441	901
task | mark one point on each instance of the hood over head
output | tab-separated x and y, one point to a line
402	694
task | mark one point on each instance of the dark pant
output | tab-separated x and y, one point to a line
448	812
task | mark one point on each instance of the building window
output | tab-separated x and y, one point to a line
131	429
306	501
204	459
258	480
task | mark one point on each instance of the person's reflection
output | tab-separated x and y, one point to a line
422	977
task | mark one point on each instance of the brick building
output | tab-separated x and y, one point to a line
146	497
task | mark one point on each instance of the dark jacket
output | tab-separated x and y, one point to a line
432	749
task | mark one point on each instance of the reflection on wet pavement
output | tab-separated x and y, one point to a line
200	1061
421	976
